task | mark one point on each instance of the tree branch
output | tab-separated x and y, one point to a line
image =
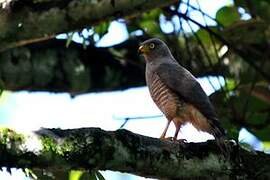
50	66
25	22
122	150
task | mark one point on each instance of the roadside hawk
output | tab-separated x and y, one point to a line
177	93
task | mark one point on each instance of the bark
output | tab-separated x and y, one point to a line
122	150
27	21
50	66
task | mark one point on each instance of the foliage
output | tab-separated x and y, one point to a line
68	175
10	138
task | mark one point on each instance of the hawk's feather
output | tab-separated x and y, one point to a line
186	86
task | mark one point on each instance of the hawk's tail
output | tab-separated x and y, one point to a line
219	133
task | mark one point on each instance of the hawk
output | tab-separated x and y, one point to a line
176	92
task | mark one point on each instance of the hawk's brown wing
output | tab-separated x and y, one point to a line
182	82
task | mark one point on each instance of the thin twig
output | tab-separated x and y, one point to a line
205	52
186	40
126	119
205	14
231	45
215	49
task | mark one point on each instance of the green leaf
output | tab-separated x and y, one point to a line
69	39
228	15
205	36
150	23
266	145
102	28
152	15
75	174
151	27
30	173
230	84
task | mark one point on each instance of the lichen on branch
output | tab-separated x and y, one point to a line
124	151
24	23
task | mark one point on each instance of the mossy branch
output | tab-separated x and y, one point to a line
122	150
24	22
50	66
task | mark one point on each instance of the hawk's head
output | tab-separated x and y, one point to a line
154	48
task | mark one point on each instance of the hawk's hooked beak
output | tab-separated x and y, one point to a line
142	49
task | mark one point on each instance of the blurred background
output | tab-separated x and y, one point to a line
95	78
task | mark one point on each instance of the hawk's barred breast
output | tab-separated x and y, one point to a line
169	103
173	107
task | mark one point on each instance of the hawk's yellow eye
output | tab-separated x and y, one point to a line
152	45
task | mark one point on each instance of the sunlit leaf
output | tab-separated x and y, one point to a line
102	28
151	27
152	15
75	174
150	23
230	84
30	173
205	36
266	145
